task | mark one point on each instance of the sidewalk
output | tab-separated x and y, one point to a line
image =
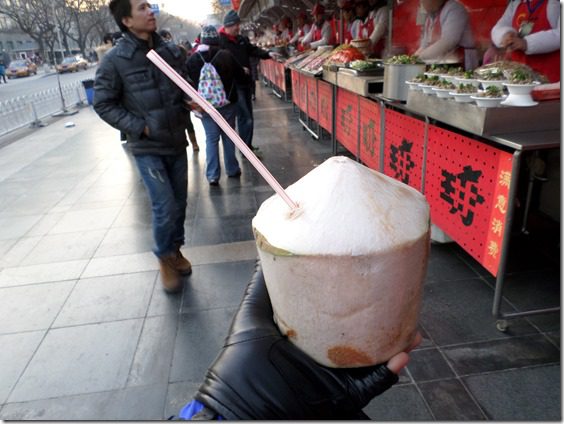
86	332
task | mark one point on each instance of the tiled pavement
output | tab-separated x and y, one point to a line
86	333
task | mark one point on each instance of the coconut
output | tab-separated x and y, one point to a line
344	271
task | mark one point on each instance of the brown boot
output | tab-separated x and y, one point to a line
170	277
182	264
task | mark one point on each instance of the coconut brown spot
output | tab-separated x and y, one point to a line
343	356
291	333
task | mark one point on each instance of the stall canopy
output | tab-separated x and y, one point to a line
269	12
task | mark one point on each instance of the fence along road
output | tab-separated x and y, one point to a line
29	110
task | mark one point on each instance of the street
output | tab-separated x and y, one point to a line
42	81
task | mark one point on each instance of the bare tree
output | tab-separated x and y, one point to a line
85	17
33	17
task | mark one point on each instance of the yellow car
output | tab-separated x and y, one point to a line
72	64
21	68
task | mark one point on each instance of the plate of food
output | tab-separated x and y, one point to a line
491	97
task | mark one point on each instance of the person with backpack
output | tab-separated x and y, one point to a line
215	72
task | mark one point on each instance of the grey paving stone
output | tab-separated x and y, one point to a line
460	312
217	285
79	360
15	352
449	401
42	273
445	265
110	298
400	403
495	355
33	307
428	364
125	240
136	403
16	227
200	336
222	230
153	356
64	247
84	220
528	394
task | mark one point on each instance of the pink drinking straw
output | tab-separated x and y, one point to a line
216	116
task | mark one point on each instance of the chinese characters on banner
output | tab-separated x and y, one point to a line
295	86
325	105
404	148
303	93
346	116
467	186
369	149
312	98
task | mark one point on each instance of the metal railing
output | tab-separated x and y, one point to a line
29	110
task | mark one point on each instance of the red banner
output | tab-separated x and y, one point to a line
467	185
369	149
325	105
295	76
303	93
346	120
404	148
312	98
281	76
235	4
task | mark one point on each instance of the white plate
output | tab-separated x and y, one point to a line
413	85
520	100
443	93
520	88
487	101
460	80
462	97
427	89
496	83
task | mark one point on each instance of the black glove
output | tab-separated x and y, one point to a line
260	374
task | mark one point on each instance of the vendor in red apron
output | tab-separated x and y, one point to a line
321	32
362	25
379	17
446	34
285	28
347	9
529	30
302	28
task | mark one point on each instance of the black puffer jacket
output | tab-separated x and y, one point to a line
242	49
131	93
226	66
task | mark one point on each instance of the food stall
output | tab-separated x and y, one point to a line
465	157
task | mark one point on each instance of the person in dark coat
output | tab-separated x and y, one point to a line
134	96
243	50
230	73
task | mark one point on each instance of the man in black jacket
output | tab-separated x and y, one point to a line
243	50
229	72
134	96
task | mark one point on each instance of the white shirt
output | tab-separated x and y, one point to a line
380	24
539	42
297	36
325	35
455	32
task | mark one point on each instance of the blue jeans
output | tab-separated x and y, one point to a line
166	181
213	132
245	121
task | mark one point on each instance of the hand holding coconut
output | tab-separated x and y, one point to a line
260	374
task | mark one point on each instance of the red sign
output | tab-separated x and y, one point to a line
303	93
312	98
369	149
325	105
467	186
235	4
295	76
404	145
346	120
281	76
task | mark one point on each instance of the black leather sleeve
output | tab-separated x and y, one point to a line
259	374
